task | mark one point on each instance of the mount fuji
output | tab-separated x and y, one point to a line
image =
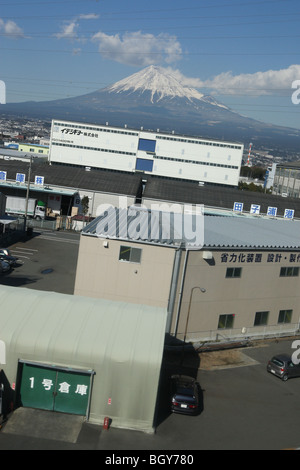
154	99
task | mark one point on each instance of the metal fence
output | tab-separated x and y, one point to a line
241	334
58	223
15	231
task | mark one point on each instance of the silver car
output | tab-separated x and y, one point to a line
283	367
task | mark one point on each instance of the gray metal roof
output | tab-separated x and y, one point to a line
251	232
216	231
143	225
287	165
189	192
105	181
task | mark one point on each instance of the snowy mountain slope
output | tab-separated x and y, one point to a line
158	82
161	84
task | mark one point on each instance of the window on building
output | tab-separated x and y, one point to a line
289	271
147	145
132	255
233	272
285	316
261	318
143	164
226	321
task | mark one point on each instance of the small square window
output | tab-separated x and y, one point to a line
132	255
291	271
233	272
226	321
285	316
261	318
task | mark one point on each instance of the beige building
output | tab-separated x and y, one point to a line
241	280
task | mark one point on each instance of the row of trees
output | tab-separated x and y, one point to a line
256	173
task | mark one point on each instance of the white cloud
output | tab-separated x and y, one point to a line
138	48
270	82
11	29
70	29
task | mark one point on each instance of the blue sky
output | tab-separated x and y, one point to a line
244	53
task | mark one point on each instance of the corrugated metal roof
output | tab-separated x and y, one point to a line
100	180
189	192
251	232
140	224
240	231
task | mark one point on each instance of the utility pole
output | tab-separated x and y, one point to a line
27	194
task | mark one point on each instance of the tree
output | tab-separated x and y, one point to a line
85	204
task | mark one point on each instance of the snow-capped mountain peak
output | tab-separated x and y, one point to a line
158	81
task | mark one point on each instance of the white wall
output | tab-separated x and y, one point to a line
117	148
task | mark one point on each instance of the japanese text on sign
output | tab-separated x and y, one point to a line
64	387
271	211
78	132
257	257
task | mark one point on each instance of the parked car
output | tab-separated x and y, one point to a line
5	251
11	260
4	267
5	255
283	367
185	395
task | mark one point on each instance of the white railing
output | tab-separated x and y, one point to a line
242	334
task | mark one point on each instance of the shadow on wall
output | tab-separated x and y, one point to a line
6	396
178	358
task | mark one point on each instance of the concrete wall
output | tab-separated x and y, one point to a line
201	283
101	274
260	288
96	199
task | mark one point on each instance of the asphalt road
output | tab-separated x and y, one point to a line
244	407
47	261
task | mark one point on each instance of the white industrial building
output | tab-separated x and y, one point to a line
149	152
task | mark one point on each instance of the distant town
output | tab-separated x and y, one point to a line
38	131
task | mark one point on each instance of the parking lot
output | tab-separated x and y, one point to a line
243	406
47	261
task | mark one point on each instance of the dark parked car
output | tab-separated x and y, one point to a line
5	255
5	251
4	267
283	367
185	395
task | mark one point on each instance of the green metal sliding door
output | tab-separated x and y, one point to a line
54	389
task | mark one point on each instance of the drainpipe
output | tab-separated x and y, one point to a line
175	275
181	291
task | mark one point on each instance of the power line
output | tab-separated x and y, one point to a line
159	53
44	2
46	17
83	85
